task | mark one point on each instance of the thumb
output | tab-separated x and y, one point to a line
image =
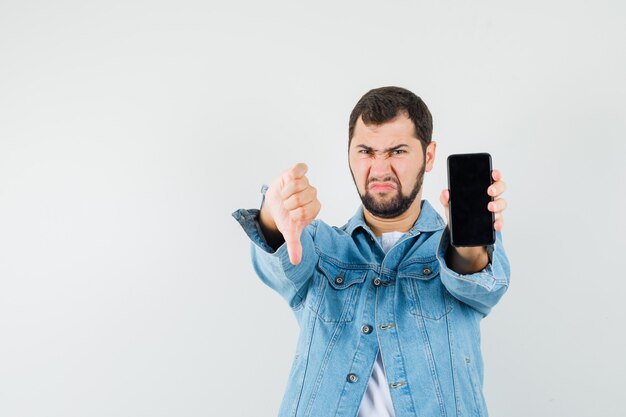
445	198
294	247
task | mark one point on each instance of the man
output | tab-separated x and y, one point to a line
389	311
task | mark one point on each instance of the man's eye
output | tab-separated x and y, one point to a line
398	151
364	151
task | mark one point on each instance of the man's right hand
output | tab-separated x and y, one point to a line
290	205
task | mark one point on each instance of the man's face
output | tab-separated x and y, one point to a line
388	164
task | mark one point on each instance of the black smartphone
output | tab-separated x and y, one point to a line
471	222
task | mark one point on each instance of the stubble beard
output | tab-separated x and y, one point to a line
388	208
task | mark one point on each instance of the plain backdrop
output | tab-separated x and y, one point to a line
130	130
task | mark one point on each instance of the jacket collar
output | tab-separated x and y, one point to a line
428	221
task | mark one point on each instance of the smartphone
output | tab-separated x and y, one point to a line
471	222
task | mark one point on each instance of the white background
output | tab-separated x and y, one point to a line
130	130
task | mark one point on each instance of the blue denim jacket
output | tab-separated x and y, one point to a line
350	300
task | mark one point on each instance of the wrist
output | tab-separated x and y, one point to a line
272	235
266	221
467	260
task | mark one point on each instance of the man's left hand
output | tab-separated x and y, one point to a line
468	260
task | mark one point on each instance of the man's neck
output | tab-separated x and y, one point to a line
402	223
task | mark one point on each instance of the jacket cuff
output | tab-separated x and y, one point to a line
249	221
485	278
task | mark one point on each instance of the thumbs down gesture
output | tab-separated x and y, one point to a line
290	205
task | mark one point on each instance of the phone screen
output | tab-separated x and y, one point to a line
469	176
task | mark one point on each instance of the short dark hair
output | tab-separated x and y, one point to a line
381	105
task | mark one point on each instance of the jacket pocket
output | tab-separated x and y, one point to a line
422	285
334	297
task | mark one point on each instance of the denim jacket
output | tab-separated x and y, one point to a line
350	300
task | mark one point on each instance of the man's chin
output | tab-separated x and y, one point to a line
381	207
384	213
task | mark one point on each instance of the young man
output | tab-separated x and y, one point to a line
389	311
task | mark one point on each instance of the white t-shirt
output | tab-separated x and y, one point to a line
376	401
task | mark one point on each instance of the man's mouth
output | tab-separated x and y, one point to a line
382	186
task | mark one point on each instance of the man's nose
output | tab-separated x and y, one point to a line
380	168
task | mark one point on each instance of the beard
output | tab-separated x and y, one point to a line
391	207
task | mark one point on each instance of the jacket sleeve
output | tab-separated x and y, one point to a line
273	267
483	289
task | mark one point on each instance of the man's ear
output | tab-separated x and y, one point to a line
429	161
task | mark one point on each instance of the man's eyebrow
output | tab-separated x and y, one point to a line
393	148
402	145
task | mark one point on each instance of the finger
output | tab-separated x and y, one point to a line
498	225
496	175
445	197
496	188
298	170
497	205
294	247
303	214
300	199
294	186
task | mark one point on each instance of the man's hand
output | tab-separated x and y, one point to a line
290	205
473	259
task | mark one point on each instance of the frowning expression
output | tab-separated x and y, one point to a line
387	163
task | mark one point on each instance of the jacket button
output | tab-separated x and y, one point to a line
339	280
352	378
427	271
377	282
367	329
